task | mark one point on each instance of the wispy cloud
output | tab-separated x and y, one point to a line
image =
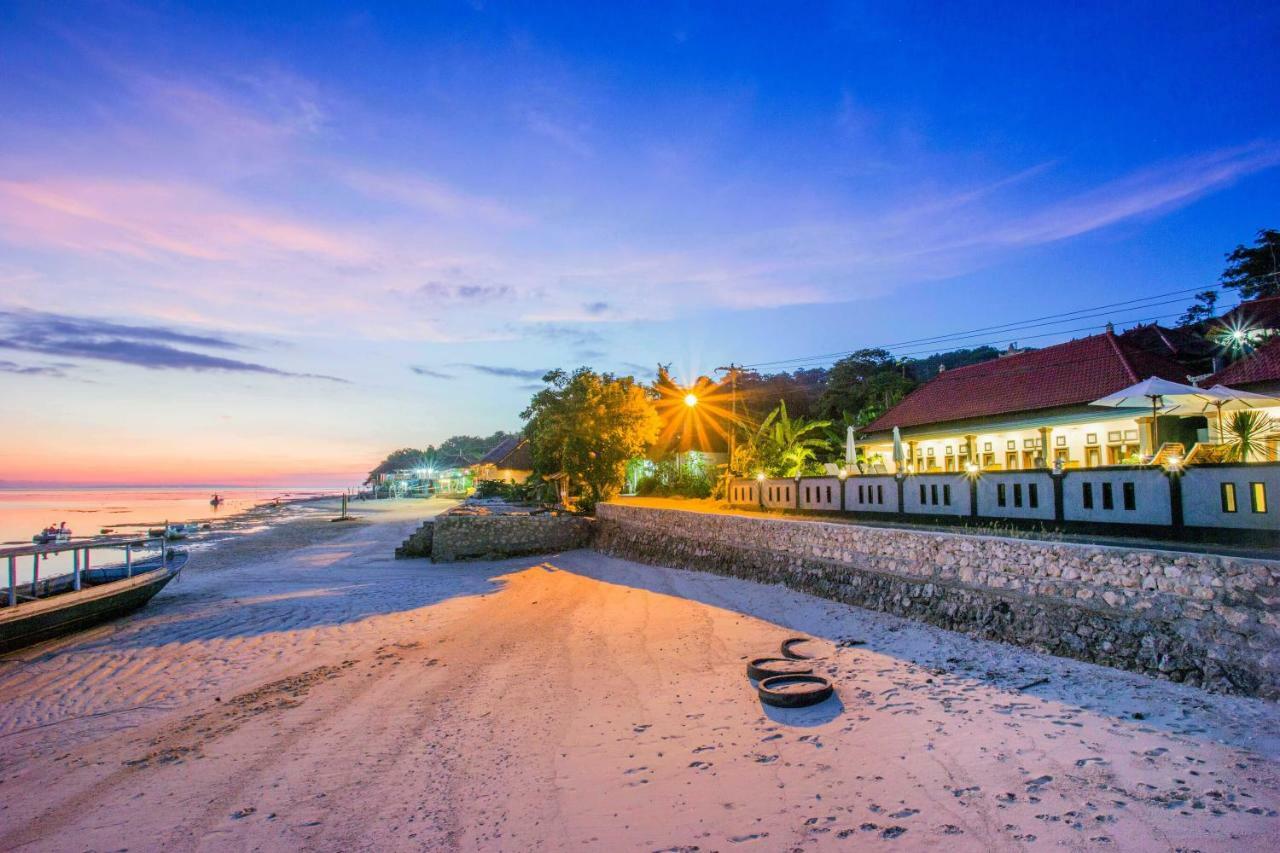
30	370
154	348
431	197
434	374
1148	191
472	293
146	219
505	372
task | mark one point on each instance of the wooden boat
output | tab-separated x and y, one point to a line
52	536
42	610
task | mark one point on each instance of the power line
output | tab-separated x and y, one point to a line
809	365
1012	327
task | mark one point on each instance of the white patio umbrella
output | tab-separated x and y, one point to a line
898	455
1231	398
850	452
1159	394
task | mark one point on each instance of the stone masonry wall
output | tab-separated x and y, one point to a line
1202	619
461	537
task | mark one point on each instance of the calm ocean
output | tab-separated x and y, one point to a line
23	513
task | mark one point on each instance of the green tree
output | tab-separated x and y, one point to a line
405	457
864	385
783	446
587	425
1203	308
1254	271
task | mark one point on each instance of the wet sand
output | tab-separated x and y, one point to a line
300	689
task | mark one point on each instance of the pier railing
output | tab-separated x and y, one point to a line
80	560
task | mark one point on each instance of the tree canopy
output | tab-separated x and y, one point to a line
1254	271
458	451
586	425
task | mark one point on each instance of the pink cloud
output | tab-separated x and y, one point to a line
151	219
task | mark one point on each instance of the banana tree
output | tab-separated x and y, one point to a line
786	446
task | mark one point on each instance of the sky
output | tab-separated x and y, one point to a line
263	243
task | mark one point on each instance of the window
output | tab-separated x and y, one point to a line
861	498
1060	441
806	494
1017	494
1086	495
1000	496
933	490
1091	438
1128	495
946	494
828	494
1258	496
1033	495
986	447
1011	444
1228	497
923	498
1108	499
879	494
789	493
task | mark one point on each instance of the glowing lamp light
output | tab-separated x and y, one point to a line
691	400
760	476
972	468
842	473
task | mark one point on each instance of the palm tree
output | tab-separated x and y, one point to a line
1248	436
788	446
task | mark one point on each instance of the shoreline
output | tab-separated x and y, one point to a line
301	689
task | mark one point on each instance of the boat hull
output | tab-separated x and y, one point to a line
34	622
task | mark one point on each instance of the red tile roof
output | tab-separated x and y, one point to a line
1261	313
1073	373
1262	365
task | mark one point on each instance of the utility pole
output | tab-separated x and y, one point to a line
732	370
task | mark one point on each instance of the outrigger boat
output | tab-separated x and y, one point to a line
53	535
43	609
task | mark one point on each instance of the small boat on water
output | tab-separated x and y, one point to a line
174	532
44	609
53	535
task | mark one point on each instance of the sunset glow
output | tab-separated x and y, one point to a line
272	245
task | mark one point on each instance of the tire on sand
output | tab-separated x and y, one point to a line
789	653
794	691
762	668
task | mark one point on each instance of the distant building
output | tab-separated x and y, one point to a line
511	461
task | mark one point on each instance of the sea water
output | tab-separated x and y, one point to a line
125	511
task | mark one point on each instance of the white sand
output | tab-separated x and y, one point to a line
322	696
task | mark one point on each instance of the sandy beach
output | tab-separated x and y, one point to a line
300	689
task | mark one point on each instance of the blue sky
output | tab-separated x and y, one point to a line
274	216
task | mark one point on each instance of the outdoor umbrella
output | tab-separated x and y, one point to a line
1160	394
898	455
850	455
1230	398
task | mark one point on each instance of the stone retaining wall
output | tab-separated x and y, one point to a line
419	542
1201	619
462	537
